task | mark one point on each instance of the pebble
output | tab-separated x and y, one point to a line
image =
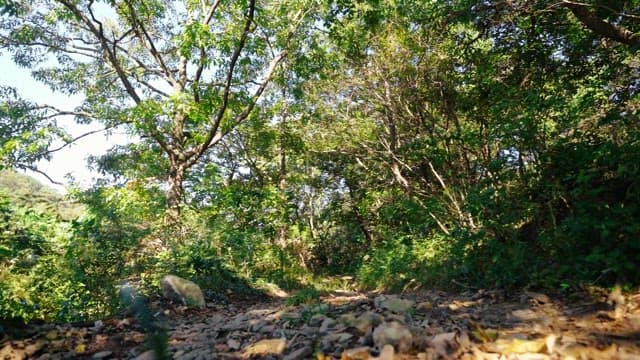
102	355
302	353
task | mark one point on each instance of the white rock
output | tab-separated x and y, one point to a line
147	355
177	288
393	333
393	303
102	355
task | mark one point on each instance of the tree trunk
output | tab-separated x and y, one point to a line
282	186
175	193
362	223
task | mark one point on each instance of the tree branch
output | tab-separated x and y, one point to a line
254	99
213	135
104	43
72	49
145	38
601	27
212	11
610	9
199	71
51	151
36	170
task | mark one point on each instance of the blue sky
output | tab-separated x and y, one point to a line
72	159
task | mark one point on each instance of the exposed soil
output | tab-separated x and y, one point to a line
419	325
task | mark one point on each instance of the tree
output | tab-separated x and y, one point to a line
459	120
179	75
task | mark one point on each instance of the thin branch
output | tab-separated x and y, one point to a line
151	87
125	34
70	142
111	56
147	41
272	67
203	54
216	136
440	223
213	135
212	11
141	64
36	170
199	72
80	50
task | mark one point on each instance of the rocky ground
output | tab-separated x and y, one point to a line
420	325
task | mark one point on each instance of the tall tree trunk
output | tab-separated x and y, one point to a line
282	187
175	193
362	222
282	182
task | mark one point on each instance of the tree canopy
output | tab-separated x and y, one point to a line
488	143
179	75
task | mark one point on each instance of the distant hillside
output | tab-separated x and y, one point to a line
25	191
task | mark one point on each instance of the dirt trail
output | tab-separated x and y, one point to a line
421	325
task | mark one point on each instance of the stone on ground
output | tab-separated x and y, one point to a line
185	291
265	347
395	334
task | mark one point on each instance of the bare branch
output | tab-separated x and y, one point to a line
36	170
70	142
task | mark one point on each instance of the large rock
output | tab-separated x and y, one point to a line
393	304
185	291
265	347
395	334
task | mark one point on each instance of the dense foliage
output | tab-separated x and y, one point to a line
405	143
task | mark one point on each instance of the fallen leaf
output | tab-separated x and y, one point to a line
480	355
360	353
80	348
424	306
550	342
518	346
484	335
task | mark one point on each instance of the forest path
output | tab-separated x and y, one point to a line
353	326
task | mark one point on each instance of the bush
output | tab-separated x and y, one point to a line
394	263
35	282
